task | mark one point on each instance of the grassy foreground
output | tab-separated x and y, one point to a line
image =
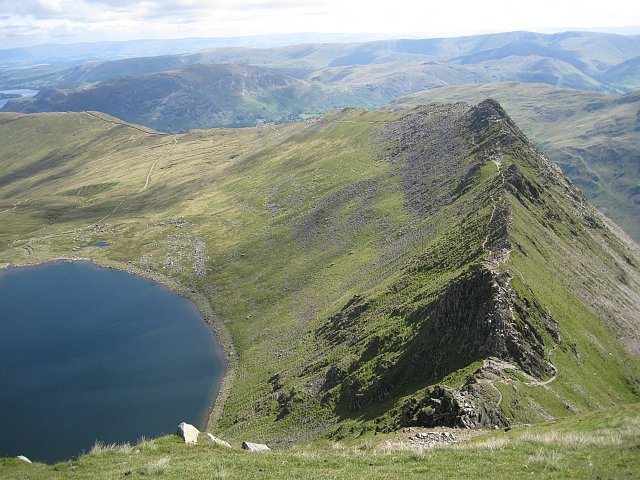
603	444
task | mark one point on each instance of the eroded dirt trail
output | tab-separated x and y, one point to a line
495	257
15	205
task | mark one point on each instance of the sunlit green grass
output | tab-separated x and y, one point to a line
602	444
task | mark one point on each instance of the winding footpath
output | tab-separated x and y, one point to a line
495	258
146	182
162	155
29	249
492	262
15	205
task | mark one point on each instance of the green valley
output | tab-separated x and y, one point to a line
198	96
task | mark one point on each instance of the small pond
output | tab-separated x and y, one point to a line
100	244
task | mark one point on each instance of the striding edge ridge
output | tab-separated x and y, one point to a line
506	340
440	152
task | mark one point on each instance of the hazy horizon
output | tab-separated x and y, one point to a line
336	37
36	22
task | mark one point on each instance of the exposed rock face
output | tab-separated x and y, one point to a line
423	440
255	447
475	308
188	433
23	458
218	441
428	144
445	406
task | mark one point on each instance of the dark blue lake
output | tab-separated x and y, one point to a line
89	353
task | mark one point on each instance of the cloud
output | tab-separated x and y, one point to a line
88	9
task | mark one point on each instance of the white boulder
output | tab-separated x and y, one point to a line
188	432
23	458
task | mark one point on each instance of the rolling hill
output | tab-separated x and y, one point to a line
185	96
569	59
592	137
185	91
199	96
77	53
624	76
366	271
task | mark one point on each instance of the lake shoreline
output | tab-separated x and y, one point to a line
227	352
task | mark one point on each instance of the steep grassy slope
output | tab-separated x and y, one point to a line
625	76
592	137
198	96
374	269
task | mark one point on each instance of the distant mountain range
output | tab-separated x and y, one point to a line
200	96
160	91
71	54
575	59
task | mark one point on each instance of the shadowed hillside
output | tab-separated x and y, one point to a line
624	76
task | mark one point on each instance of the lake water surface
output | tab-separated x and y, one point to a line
23	92
89	353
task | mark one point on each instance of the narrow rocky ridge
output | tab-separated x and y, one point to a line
478	316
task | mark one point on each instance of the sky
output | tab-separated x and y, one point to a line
29	22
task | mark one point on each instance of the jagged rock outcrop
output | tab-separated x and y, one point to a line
450	407
477	315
